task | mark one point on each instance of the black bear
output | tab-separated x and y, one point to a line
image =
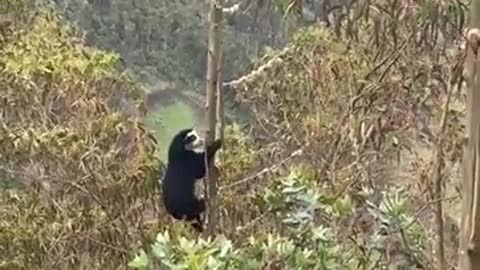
186	163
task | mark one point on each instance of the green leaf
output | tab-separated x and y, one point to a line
140	261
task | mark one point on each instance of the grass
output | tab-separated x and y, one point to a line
166	121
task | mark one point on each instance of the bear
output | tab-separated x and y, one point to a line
185	164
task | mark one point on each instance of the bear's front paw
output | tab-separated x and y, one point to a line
201	205
217	144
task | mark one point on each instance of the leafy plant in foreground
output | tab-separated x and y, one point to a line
306	243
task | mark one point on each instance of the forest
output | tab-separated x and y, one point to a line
344	134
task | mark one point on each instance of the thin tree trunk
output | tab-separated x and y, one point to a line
437	177
214	51
220	105
469	253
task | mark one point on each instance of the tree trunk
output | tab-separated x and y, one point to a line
437	177
214	51
220	104
469	253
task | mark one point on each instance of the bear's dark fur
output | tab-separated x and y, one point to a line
183	168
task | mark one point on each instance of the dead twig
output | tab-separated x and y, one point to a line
264	171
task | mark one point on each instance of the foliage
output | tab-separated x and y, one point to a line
13	13
159	39
237	157
356	99
305	244
46	47
71	135
238	154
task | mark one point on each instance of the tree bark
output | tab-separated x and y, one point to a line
214	51
469	253
220	104
437	178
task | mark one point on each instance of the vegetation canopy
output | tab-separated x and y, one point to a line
71	136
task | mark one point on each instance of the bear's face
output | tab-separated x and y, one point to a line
193	142
185	143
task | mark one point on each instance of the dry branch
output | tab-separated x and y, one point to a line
272	168
252	76
437	175
231	10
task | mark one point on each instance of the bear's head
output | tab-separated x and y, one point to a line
186	141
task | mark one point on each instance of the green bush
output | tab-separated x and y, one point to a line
305	244
71	139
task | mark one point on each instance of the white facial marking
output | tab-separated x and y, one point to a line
197	145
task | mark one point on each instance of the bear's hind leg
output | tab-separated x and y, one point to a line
193	214
200	208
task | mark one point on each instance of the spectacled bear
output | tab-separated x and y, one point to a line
186	163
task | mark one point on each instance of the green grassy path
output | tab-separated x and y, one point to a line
165	121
